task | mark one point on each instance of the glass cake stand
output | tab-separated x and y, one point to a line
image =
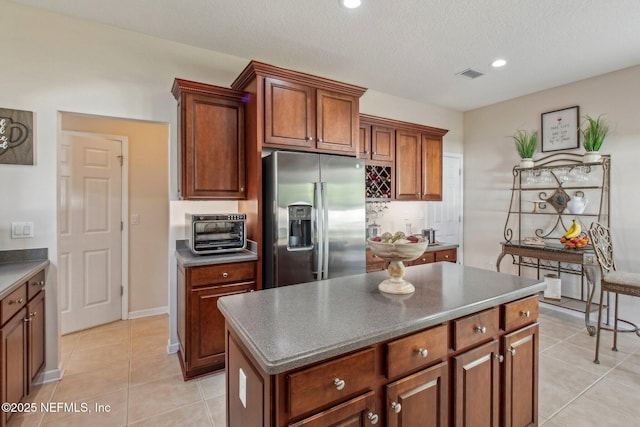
396	253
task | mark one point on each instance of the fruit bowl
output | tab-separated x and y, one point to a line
395	253
577	242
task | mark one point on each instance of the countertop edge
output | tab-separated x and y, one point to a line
297	361
24	271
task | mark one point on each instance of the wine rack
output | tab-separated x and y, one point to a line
378	182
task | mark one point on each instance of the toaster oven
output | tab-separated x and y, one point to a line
216	233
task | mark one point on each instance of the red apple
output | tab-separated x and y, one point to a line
376	239
412	239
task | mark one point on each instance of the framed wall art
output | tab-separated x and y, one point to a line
16	137
560	129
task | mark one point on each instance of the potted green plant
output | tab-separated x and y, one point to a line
526	144
593	133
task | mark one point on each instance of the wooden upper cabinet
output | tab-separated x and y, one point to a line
431	168
408	167
211	147
289	117
302	111
376	142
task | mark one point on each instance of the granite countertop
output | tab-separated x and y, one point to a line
186	258
289	327
18	266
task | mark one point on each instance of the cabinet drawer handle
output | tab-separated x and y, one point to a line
423	352
27	319
20	301
373	418
500	358
40	283
396	407
481	329
525	313
512	351
339	383
225	274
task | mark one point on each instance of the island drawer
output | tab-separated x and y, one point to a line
329	382
520	313
425	258
223	273
13	302
35	284
416	351
475	328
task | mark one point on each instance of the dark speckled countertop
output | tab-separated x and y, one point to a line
292	326
186	258
18	266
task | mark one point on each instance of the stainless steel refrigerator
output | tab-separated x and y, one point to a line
314	217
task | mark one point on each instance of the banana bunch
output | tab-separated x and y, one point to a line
572	239
573	231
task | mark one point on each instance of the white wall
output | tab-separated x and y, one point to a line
490	155
55	63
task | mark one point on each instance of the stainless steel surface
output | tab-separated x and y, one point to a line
334	187
215	233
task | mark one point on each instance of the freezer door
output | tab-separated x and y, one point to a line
289	180
345	225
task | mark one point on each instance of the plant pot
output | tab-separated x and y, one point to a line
526	163
591	157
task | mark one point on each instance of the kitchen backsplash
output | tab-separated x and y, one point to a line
394	216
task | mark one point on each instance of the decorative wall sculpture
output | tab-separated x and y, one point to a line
16	137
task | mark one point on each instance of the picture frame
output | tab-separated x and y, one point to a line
560	130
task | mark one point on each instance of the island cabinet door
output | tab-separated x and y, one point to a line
520	403
420	399
357	412
476	398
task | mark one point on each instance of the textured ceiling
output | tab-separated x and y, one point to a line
408	48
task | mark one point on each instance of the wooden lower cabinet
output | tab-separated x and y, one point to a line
476	376
420	399
474	371
201	331
376	264
22	337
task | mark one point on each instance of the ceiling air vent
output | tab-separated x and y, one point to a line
470	73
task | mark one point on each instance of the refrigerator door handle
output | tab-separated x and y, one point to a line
325	231
319	232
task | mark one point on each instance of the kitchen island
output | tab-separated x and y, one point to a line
337	350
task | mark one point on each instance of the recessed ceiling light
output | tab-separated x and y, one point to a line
498	63
350	4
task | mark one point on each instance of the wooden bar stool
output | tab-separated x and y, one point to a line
618	282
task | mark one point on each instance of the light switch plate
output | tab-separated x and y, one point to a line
243	387
21	230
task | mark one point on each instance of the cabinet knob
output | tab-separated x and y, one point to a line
40	283
19	301
225	274
418	193
375	153
373	418
319	139
27	319
526	313
423	352
339	383
446	257
309	138
396	407
366	152
500	358
481	329
512	351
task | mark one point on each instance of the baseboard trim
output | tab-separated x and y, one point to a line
149	312
48	376
172	347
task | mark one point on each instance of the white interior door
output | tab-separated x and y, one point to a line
90	230
446	216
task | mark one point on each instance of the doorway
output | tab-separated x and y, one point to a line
92	205
446	216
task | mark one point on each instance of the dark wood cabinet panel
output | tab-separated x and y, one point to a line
520	388
450	255
289	117
431	168
383	143
200	322
14	355
211	148
357	412
337	122
476	383
408	168
36	335
420	399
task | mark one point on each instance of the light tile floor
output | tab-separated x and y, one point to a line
125	365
